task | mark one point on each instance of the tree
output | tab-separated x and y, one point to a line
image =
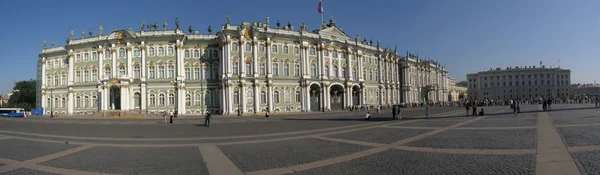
23	95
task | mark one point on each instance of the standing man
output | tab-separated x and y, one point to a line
394	113
427	108
399	113
171	116
207	119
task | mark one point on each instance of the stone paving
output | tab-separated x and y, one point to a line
447	143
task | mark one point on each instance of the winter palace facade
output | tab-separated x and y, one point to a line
250	68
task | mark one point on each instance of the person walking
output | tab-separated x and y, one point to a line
267	116
427	109
171	116
474	110
207	119
467	108
394	113
164	117
399	113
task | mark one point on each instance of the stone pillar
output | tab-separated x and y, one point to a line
143	96
242	60
125	95
269	67
71	58
242	97
256	62
114	62
256	95
181	107
100	63
270	96
306	94
129	64
69	101
143	69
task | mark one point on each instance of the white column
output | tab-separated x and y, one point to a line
71	57
243	97
242	60
143	70
230	98
124	96
129	64
143	96
269	68
270	97
256	95
69	101
43	82
256	62
307	97
114	61
181	92
326	98
100	57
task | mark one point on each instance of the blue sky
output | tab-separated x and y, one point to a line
466	35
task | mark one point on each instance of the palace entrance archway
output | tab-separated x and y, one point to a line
336	94
115	98
315	97
356	95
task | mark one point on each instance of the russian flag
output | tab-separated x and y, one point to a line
320	8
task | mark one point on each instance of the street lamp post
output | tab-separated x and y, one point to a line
175	83
51	103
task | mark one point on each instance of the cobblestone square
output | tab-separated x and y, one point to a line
380	135
480	139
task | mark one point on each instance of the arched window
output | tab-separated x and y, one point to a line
197	100
326	53
121	70
86	76
152	100
296	50
297	70
170	50
56	103
107	54
313	70
94	75
151	72
286	50
335	71
263	97
313	51
334	54
248	47
376	76
249	97
261	47
249	70
86	57
86	102
136	52
78	102
276	97
327	71
161	72
197	73
187	53
161	99
55	80
215	72
370	74
354	73
196	54
188	100
286	69
78	57
49	103
274	48
136	71
63	79
343	55
275	69
78	76
188	73
171	71
236	98
343	72
63	103
262	68
107	72
122	53
171	99
161	51
235	66
94	55
298	98
235	47
151	51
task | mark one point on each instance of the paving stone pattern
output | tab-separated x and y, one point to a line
480	139
25	171
403	162
581	135
380	135
589	160
261	156
502	123
22	150
182	160
430	123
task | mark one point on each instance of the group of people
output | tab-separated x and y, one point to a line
474	111
396	113
173	114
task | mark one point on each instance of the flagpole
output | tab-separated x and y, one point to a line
321	9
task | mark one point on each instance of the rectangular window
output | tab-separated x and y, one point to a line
286	69
275	69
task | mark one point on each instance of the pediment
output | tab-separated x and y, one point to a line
121	34
333	32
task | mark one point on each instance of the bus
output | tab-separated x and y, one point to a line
12	112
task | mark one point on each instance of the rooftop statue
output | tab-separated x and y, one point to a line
142	26
53	43
101	29
44	44
71	34
177	22
228	18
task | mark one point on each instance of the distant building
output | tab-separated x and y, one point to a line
519	82
586	89
457	92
